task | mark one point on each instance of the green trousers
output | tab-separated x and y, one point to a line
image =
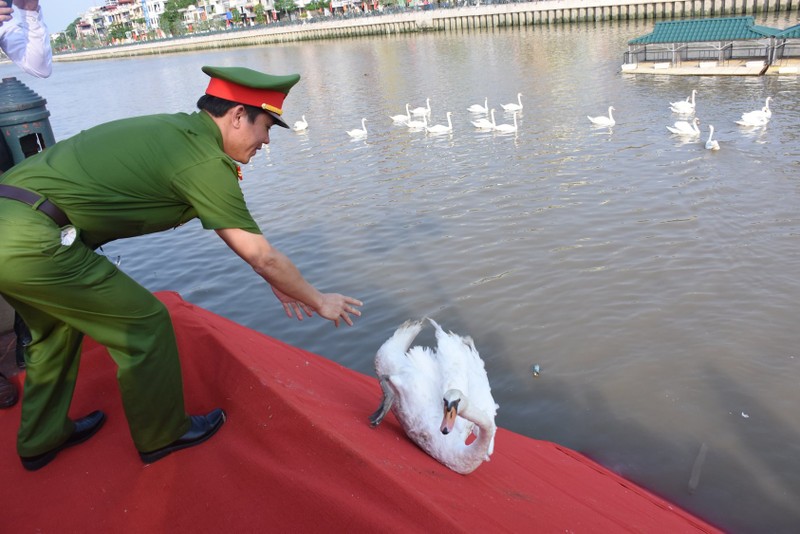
63	292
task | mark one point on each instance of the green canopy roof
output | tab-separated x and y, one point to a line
790	33
698	30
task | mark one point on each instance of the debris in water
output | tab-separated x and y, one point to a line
536	370
694	479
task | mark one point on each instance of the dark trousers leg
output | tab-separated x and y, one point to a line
23	339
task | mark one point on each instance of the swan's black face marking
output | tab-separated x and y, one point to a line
451	404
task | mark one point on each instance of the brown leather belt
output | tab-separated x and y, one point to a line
34	199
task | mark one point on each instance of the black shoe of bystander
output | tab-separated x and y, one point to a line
85	428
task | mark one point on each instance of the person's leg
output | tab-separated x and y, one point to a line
52	367
23	339
8	392
62	290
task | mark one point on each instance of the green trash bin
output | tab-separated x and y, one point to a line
24	123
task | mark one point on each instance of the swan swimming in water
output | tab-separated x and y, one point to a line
357	133
402	119
759	117
300	125
418	125
602	120
513	107
485	124
711	144
507	128
686	128
684	107
441	128
477	108
440	396
421	112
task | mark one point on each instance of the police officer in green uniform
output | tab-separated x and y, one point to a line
121	179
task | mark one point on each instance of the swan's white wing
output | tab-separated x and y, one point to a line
466	368
683	128
460	352
682	110
391	356
449	353
414	375
755	117
601	121
419	385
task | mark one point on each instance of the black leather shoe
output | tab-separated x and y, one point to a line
85	428
8	393
202	428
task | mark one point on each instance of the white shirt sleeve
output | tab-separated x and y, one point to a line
27	43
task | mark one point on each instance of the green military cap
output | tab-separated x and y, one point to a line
247	86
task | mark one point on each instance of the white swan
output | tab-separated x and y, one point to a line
507	128
759	117
441	128
357	133
418	125
485	124
602	120
300	125
753	121
417	112
477	108
401	119
684	107
513	107
711	144
686	128
440	396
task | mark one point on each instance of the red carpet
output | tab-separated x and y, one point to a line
297	454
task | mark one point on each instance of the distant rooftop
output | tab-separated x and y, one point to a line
699	30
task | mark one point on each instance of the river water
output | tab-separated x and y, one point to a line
654	282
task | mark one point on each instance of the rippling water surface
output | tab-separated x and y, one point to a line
653	281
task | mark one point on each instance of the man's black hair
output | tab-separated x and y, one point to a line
218	107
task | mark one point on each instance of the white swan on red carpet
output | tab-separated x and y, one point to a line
439	395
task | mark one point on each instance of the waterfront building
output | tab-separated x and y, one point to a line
694	46
141	19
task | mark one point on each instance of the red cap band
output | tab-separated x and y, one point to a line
260	98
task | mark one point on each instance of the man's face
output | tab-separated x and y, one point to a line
246	137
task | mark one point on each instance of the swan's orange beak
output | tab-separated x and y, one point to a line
450	414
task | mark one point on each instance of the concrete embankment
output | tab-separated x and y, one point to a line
454	19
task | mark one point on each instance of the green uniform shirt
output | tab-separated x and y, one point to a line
139	175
